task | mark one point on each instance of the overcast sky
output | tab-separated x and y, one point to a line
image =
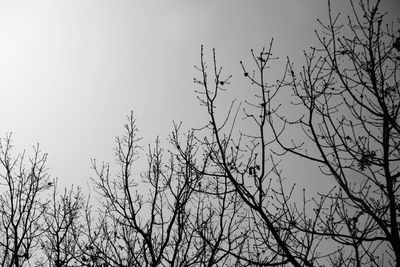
70	71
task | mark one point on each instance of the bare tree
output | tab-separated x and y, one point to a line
219	223
22	182
349	92
151	220
243	159
219	196
63	225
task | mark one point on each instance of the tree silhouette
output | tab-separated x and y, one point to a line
218	196
348	95
151	220
242	160
22	182
349	91
63	227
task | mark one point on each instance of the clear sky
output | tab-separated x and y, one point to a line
70	71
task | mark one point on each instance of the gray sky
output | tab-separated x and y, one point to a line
70	71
